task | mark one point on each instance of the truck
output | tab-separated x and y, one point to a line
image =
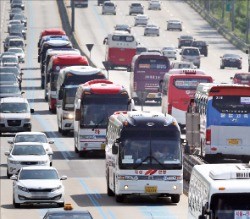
219	191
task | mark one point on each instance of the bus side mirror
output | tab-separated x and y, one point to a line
114	149
247	51
77	115
160	86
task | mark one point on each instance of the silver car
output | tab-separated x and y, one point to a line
141	19
191	54
136	8
174	25
152	29
108	8
154	5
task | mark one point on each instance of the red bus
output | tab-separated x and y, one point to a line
148	68
49	32
120	49
178	88
57	63
95	101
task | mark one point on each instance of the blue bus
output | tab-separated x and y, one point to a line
224	114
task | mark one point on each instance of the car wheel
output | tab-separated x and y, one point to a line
8	174
16	205
239	67
175	199
222	67
205	54
180	29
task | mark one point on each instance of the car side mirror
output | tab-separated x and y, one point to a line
7	153
51	142
50	153
64	177
13	177
32	110
10	141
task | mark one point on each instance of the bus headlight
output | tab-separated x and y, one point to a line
68	115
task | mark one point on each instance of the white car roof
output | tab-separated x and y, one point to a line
30	133
28	143
14	100
39	168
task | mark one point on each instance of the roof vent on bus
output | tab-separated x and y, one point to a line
239	171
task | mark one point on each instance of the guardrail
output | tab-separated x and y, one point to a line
230	36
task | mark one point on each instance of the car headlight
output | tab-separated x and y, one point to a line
23	188
42	162
58	187
14	162
68	115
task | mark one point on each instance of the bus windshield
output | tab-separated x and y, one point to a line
189	83
153	64
97	108
225	206
69	98
232	104
159	149
72	79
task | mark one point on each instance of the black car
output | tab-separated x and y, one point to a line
201	45
185	40
231	60
123	27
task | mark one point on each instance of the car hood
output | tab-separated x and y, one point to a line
14	116
29	158
40	183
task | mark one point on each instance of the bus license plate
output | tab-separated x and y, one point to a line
121	59
103	146
238	214
151	96
150	189
233	141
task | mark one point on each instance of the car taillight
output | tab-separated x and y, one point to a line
208	136
169	109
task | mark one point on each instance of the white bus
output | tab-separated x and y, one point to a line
143	155
219	191
95	101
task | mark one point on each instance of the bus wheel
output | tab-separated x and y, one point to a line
175	198
76	150
211	158
109	191
119	198
64	132
82	153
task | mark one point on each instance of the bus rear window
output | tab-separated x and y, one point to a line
123	38
189	83
153	64
232	104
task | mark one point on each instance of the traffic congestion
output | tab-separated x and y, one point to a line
116	109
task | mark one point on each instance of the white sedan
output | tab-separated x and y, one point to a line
38	185
19	52
141	19
154	5
26	154
169	52
39	137
174	25
152	29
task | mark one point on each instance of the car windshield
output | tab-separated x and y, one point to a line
186	37
16	50
14	108
31	138
9	90
19	150
9	59
7	77
231	56
38	174
190	52
10	70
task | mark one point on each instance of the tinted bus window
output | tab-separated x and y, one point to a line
152	64
189	83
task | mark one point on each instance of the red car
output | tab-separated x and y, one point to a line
241	78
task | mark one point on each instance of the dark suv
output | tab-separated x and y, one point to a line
201	45
185	40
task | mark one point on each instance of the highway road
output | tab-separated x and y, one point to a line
86	186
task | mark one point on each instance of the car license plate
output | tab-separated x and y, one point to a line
150	189
233	141
121	59
103	146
